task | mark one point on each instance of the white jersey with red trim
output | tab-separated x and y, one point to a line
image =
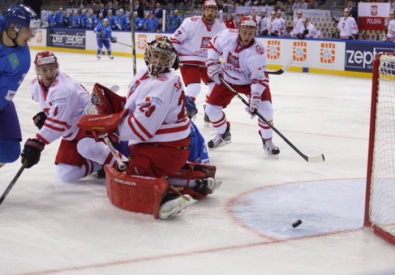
297	27
313	32
391	31
192	37
63	104
347	26
156	109
241	65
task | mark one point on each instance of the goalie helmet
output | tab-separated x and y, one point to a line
22	16
45	58
160	56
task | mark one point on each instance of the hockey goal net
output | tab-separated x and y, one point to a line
380	190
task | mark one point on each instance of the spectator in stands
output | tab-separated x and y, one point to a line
299	4
101	10
353	11
174	21
152	23
230	23
139	9
158	12
160	25
110	8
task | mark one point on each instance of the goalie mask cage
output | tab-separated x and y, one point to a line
380	187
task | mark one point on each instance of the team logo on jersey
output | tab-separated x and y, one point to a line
133	88
233	60
259	50
13	58
205	41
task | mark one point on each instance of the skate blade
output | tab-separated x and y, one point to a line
221	145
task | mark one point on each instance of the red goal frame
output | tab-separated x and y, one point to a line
375	82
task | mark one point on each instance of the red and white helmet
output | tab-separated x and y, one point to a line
210	4
247	23
45	58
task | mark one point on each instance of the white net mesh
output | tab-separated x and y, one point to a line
382	191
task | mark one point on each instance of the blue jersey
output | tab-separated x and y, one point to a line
105	32
152	24
121	22
59	18
51	21
14	64
198	152
174	22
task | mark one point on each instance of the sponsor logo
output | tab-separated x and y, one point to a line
327	53
126	182
360	57
299	51
67	39
141	41
273	49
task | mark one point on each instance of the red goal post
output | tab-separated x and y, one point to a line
380	181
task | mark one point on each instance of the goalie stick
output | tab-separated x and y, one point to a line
13	181
319	158
286	65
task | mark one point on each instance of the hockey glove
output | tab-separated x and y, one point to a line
39	119
32	151
353	37
113	39
99	35
265	32
255	101
306	31
214	70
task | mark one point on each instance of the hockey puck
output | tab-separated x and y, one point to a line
296	223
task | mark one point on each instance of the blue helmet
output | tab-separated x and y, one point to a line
21	16
191	107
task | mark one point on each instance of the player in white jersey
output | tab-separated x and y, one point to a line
62	101
274	25
281	22
156	126
262	24
347	26
191	41
391	27
244	67
308	30
297	24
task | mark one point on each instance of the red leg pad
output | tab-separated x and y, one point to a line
135	193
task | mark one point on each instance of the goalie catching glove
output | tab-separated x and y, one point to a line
214	70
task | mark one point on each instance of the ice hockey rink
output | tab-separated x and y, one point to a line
48	227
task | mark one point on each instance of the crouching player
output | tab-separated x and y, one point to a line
62	101
155	124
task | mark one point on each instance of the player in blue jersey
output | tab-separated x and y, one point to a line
19	24
198	150
104	35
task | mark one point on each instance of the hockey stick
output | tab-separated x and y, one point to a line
13	182
120	163
319	158
124	44
278	72
132	32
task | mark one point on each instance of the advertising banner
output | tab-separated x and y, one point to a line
359	56
67	38
373	16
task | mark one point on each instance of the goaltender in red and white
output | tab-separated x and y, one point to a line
62	101
243	67
191	41
155	123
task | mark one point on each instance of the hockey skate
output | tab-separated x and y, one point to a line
2	164
98	56
207	186
111	57
220	140
174	206
270	149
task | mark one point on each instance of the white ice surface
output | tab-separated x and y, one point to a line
47	227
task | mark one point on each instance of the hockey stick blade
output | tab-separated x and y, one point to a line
283	69
2	198
319	158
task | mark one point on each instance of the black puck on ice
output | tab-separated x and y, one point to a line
296	223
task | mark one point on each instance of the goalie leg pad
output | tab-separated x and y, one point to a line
135	193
